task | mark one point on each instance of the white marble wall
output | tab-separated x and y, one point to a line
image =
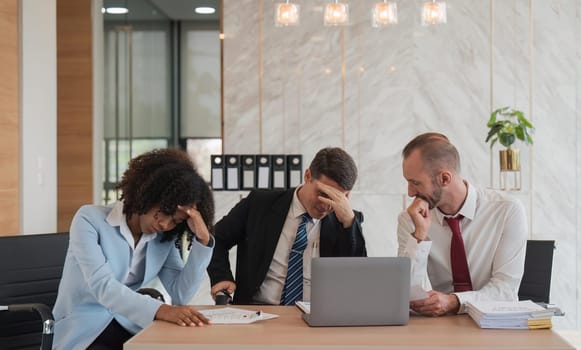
297	89
555	91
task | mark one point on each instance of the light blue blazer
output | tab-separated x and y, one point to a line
91	293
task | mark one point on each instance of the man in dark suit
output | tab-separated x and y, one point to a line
264	225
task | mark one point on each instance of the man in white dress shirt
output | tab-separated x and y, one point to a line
493	228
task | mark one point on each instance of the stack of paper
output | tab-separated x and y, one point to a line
509	315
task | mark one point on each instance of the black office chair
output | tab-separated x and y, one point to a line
30	271
152	292
536	280
31	267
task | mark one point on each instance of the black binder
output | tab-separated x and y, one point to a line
248	172
263	179
294	165
232	172
217	167
278	171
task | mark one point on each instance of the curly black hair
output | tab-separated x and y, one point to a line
166	178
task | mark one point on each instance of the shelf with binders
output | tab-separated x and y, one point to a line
235	172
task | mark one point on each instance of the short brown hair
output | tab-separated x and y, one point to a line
337	165
436	152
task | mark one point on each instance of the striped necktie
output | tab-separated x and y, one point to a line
293	286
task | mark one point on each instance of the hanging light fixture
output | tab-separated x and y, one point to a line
336	14
384	13
434	13
286	14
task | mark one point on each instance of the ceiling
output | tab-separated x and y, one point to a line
156	10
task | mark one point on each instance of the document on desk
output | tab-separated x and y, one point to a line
417	293
509	314
230	315
305	306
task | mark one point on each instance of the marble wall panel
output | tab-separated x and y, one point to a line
452	62
554	214
510	75
371	90
379	104
577	116
241	78
511	54
302	83
380	225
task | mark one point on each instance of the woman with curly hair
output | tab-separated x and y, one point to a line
115	250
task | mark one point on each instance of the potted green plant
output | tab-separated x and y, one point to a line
506	125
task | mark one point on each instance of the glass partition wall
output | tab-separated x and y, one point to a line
162	84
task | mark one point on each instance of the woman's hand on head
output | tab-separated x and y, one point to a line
196	224
181	315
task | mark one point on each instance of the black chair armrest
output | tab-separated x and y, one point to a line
45	314
152	292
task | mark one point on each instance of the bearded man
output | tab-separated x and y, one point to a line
466	244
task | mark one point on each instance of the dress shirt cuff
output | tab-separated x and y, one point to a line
417	250
418	254
463	298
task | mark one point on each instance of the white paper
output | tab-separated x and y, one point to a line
505	308
263	176
278	179
295	178
305	306
217	178
248	179
229	315
417	293
232	181
507	314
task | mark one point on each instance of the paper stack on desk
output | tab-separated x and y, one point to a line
509	315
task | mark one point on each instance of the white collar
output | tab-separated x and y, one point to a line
117	218
297	209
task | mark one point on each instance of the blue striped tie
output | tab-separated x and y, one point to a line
293	287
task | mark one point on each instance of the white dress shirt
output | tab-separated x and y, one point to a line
494	230
137	269
270	291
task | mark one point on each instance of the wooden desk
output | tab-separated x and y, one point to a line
289	331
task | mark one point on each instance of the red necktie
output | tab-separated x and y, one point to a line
460	273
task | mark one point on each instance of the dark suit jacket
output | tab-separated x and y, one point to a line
255	225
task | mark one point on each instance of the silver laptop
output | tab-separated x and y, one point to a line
359	292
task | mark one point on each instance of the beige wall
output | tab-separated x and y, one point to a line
9	119
74	108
